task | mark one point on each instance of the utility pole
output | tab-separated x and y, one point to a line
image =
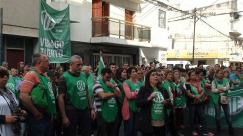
2	50
194	34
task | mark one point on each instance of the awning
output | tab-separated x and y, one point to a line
133	5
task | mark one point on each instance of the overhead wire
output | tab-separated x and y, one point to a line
202	9
166	6
187	13
213	27
219	14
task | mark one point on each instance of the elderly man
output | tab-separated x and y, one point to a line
74	100
37	97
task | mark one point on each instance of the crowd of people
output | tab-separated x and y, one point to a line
39	100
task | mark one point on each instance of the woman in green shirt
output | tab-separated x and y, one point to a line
152	102
131	87
179	99
169	86
195	93
121	76
220	88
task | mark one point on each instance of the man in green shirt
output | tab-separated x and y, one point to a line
74	100
37	97
106	91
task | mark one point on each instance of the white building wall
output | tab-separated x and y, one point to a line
117	12
82	13
240	22
207	39
149	16
20	17
23	19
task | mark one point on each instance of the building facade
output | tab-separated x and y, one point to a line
122	29
217	34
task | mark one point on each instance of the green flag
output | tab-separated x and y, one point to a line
54	33
101	65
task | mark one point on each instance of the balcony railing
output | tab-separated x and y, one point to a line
110	27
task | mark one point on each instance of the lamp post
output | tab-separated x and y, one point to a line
194	34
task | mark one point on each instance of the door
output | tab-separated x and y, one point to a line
14	56
100	24
96	18
128	24
105	20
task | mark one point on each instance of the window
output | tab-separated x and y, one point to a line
162	18
119	59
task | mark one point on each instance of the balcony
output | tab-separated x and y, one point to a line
122	32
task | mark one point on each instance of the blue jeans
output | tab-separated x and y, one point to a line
42	127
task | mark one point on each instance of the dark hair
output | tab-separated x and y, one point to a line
202	71
112	63
190	73
182	70
105	70
168	72
118	73
147	82
129	71
3	72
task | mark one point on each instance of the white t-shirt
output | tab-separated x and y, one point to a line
5	129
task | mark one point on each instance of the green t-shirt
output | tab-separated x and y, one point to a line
157	113
13	85
219	84
169	87
90	83
180	99
200	93
109	107
42	95
133	87
77	90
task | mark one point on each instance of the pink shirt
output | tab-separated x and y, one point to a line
128	96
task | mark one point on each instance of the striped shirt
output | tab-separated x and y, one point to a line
97	100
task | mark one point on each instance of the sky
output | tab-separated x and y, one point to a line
191	4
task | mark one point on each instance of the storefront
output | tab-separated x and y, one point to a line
203	57
111	53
